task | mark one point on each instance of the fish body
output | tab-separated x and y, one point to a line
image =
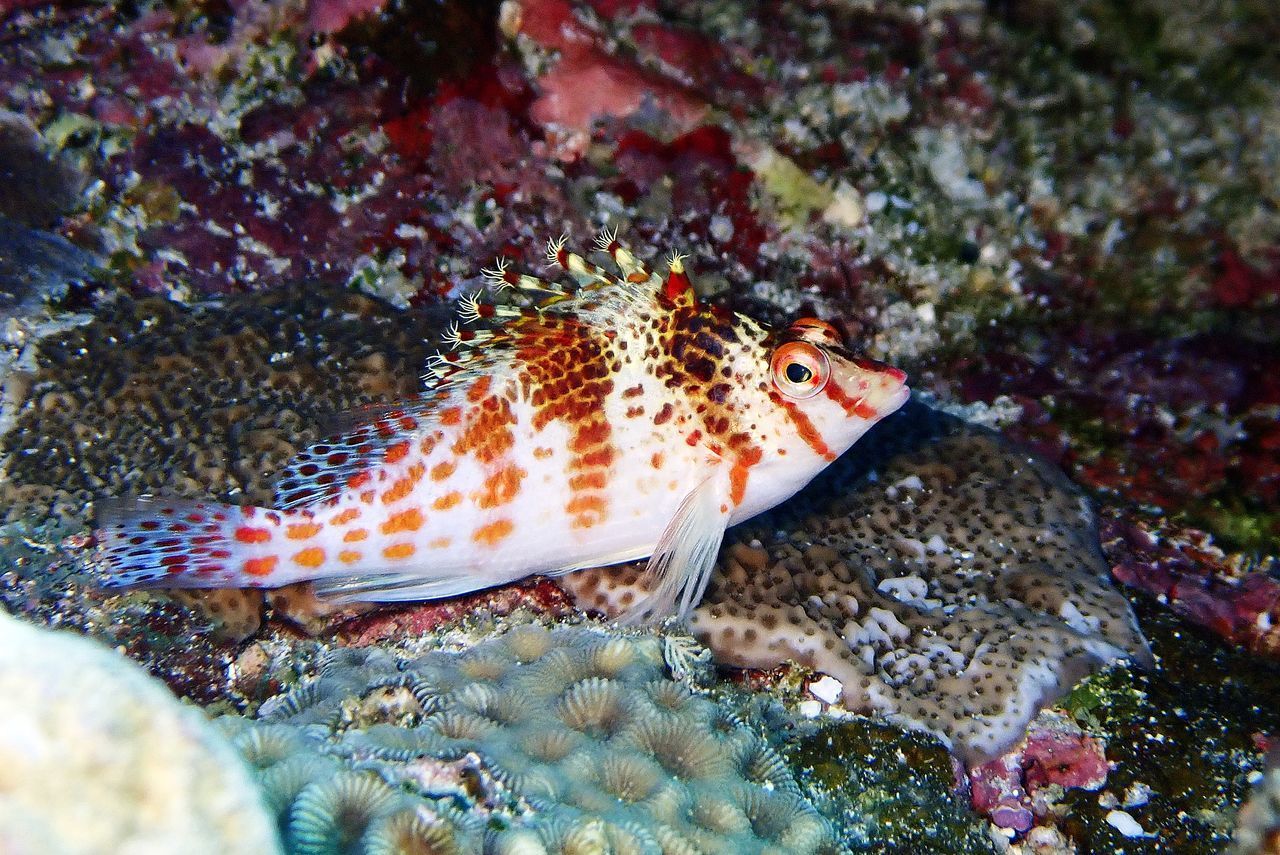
618	420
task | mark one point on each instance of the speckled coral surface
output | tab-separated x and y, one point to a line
946	578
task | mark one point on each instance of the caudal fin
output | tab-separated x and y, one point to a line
176	543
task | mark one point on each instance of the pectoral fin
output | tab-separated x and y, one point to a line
685	555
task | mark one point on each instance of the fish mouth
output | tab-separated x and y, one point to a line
898	398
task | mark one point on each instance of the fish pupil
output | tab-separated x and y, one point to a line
798	373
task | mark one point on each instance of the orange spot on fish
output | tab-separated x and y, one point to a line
358	480
355	535
441	471
451	416
312	556
402	487
478	389
396	453
542	453
447	501
260	566
346	516
656	460
399	550
587	511
440	542
350	556
409	520
601	457
590	435
865	411
500	488
248	534
302	531
493	533
588	481
367	496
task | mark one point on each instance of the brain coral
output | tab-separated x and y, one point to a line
947	579
565	740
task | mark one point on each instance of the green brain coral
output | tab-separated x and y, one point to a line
565	740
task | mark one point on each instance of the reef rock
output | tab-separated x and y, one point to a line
946	578
98	757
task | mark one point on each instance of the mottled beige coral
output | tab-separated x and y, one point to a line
98	758
947	579
206	401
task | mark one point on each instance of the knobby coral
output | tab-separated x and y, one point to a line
560	740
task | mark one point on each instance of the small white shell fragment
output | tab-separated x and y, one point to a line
827	689
1125	824
809	709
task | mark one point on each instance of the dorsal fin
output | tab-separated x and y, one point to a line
358	441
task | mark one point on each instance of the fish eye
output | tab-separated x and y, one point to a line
800	370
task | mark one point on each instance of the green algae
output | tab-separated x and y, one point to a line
890	791
1183	734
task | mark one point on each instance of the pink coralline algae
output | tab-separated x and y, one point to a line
1016	790
1184	570
612	61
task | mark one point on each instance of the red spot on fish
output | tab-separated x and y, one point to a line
260	566
247	534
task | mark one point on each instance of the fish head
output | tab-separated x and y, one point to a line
830	396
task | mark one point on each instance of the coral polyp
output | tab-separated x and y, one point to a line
619	756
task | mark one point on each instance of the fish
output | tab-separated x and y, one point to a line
607	419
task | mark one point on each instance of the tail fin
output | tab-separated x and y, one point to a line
176	543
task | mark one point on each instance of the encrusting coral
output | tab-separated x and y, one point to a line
566	740
98	758
946	578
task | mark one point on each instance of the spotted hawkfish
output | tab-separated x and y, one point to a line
610	420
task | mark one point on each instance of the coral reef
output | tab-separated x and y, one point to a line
558	736
98	757
1062	215
947	579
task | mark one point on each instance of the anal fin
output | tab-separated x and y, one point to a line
395	587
